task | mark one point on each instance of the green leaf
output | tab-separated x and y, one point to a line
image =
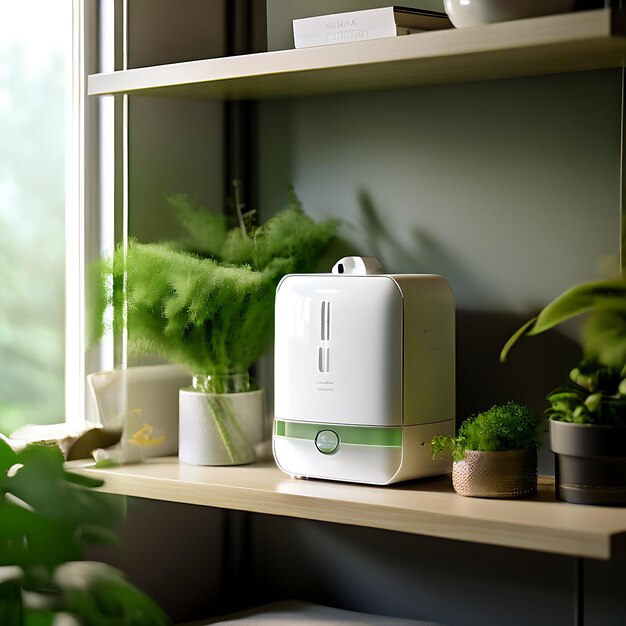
7	456
83	481
39	618
98	535
514	338
567	394
581	413
581	299
11	609
604	337
99	595
607	297
593	402
440	442
205	230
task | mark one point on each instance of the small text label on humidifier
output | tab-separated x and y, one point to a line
327	441
432	339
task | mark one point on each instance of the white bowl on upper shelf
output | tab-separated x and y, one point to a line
463	13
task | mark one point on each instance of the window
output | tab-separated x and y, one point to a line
35	56
43	62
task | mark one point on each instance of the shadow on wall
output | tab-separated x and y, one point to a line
534	368
425	252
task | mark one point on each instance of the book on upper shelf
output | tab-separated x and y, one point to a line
324	30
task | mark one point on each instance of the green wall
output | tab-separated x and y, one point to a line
509	189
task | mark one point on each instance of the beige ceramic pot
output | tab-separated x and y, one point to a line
508	474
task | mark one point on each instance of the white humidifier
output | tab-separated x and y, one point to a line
364	373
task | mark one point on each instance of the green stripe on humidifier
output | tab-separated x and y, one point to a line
358	435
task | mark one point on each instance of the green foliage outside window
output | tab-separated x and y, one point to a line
32	205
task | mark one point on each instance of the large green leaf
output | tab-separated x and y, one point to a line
83	481
40	618
42	483
604	337
607	298
100	596
607	294
513	340
11	610
7	457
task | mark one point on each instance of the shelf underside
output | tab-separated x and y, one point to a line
427	507
562	43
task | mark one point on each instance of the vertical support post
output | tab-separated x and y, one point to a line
121	123
622	189
239	133
239	114
236	562
579	591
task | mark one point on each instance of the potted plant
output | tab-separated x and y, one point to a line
588	414
494	453
47	516
207	303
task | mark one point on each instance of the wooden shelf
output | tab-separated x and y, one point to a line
424	507
561	43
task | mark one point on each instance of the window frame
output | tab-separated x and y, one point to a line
85	216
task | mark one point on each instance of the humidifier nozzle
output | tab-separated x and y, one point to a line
358	266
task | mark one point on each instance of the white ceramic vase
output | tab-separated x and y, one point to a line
218	423
464	13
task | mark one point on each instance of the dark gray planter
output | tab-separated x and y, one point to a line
590	462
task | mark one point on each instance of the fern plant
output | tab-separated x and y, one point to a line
509	426
207	301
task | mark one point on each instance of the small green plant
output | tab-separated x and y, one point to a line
595	394
509	426
596	391
47	517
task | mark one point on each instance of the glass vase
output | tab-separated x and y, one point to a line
221	418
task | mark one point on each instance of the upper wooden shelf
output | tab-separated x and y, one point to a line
424	507
560	43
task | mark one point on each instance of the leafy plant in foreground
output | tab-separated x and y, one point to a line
509	426
47	516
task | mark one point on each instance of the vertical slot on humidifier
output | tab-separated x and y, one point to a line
328	320
324	350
